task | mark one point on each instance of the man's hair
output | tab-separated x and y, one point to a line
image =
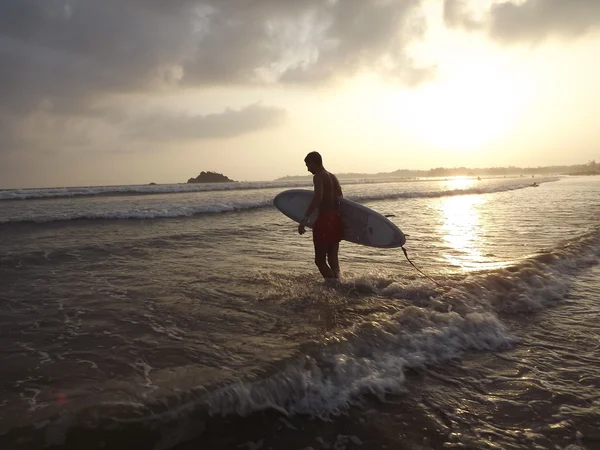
314	157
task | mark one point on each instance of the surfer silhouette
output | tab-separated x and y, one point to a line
328	228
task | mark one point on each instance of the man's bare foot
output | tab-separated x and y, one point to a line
331	281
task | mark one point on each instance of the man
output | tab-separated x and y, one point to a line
327	229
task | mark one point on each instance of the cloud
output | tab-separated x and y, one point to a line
67	54
538	19
182	127
71	51
526	21
60	60
457	15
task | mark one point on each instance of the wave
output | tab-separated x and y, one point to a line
173	209
322	384
162	212
434	324
180	188
490	189
91	191
155	189
430	326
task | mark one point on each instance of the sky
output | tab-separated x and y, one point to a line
138	91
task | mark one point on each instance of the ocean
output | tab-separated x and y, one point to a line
193	317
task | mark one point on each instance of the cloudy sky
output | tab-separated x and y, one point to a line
124	92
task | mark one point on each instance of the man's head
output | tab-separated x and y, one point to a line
314	162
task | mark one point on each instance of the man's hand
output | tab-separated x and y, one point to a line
302	226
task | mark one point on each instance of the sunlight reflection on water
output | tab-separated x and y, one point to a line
464	230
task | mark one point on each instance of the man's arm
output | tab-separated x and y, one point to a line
317	197
314	204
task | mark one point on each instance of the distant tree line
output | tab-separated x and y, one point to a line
591	168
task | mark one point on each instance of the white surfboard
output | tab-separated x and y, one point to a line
362	225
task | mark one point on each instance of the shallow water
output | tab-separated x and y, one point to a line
164	318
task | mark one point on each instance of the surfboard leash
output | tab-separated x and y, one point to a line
418	270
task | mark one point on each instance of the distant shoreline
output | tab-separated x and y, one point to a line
583	174
407	175
581	169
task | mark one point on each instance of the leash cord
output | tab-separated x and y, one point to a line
418	270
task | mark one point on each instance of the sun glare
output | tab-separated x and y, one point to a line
454	183
467	111
469	107
462	230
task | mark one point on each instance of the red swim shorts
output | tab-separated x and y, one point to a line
328	228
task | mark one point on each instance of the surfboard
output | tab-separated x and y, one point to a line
362	225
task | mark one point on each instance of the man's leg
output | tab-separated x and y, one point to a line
321	261
332	258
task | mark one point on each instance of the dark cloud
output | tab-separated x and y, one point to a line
182	127
537	19
528	21
70	51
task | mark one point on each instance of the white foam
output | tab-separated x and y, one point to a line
87	361
143	189
374	363
32	401
534	284
84	191
134	212
45	357
161	208
432	193
141	365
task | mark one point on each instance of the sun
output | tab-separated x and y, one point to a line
469	106
467	110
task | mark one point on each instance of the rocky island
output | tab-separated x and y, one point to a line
210	177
